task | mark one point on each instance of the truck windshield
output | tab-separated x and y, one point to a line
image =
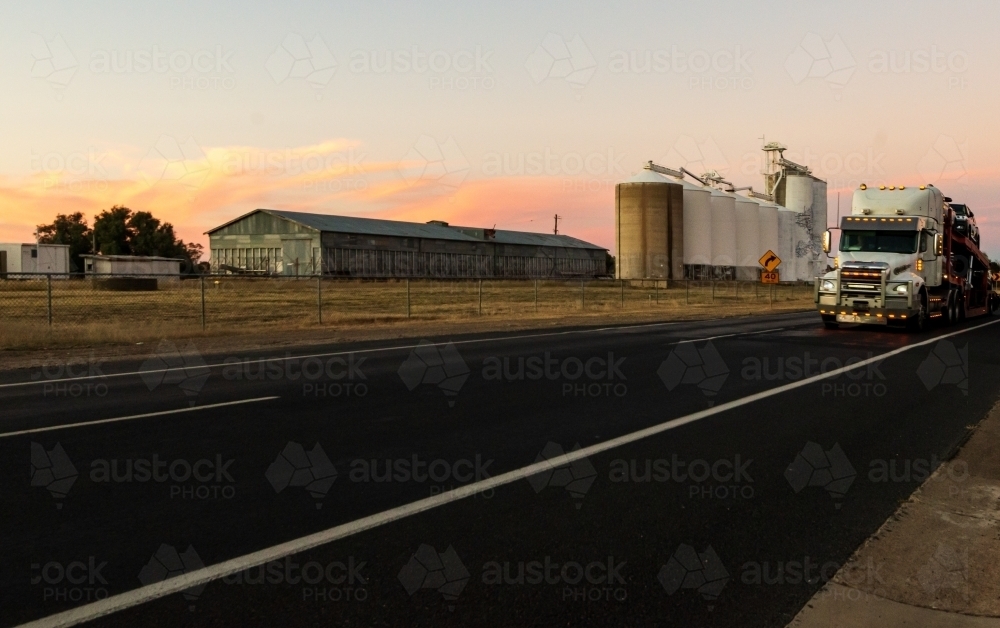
879	241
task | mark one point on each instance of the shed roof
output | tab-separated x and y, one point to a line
399	228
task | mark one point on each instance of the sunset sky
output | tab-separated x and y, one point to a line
481	114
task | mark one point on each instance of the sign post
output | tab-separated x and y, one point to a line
769	263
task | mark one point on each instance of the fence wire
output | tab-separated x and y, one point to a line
216	301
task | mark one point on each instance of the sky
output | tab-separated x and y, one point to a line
481	114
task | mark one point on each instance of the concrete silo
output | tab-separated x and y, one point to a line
649	227
748	249
767	217
820	221
786	244
794	186
723	206
697	231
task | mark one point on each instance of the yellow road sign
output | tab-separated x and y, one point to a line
769	277
769	261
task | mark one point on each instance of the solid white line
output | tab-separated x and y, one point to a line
67	426
745	333
374	350
176	584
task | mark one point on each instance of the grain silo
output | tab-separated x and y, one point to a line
786	244
767	216
649	227
820	222
748	249
696	218
723	233
794	186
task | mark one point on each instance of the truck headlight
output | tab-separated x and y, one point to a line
900	289
828	286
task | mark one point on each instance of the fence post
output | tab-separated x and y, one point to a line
319	297
713	291
583	295
536	296
407	297
49	289
770	299
737	290
480	297
203	322
687	292
656	290
622	282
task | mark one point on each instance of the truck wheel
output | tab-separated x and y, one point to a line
920	321
948	311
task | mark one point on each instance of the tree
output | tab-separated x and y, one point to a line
111	231
120	231
69	229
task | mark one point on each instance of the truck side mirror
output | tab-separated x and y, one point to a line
938	244
827	241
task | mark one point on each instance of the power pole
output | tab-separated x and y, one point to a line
556	230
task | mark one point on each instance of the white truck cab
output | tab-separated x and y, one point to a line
890	262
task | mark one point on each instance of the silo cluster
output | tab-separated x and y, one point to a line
668	227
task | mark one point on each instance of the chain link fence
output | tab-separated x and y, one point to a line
227	301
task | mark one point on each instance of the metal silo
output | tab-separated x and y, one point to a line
643	226
819	221
786	243
723	232
767	217
748	249
697	230
799	199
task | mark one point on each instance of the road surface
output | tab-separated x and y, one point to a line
691	474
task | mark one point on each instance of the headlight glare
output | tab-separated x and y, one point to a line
828	286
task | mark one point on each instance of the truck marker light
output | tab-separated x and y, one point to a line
864	187
923	187
881	187
902	187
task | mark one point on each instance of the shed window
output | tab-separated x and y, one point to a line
34	252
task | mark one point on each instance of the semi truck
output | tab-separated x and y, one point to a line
903	261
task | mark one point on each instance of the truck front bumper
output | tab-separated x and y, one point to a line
872	316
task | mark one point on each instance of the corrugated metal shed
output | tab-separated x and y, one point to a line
543	239
431	231
373	226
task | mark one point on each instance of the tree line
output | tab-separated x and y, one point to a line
118	231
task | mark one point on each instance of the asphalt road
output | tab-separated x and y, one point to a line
748	504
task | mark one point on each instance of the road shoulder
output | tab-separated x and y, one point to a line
936	560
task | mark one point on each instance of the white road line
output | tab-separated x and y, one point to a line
745	333
372	350
176	584
68	426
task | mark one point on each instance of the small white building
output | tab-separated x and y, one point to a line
131	265
34	258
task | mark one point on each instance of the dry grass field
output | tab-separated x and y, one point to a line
82	315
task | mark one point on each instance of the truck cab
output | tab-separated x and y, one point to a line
901	261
